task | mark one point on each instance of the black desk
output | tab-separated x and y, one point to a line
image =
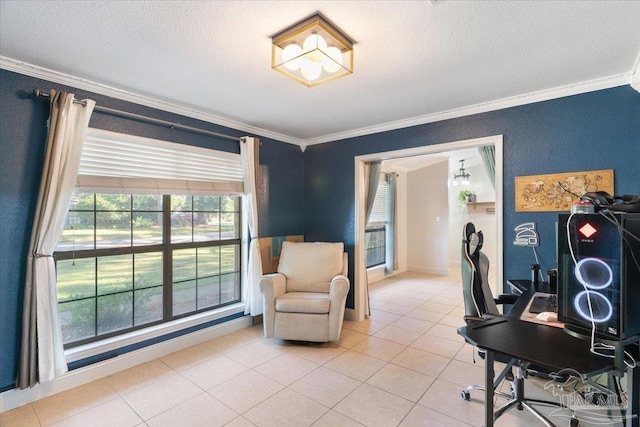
541	345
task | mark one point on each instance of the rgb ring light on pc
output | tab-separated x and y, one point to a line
598	302
593	273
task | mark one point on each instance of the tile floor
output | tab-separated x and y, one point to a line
405	366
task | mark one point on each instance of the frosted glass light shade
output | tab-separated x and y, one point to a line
312	52
292	56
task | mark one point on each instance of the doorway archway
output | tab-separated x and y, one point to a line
359	285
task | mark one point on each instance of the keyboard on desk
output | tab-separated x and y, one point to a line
544	303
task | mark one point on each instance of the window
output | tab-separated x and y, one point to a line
126	261
153	234
375	232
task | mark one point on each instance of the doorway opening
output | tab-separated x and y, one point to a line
448	149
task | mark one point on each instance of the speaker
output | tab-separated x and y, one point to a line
599	273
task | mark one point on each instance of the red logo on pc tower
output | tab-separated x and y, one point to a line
587	230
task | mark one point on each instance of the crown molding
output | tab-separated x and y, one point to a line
528	98
25	68
21	67
635	75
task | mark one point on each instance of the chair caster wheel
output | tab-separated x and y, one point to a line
574	422
467	396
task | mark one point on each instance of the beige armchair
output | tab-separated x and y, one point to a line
305	299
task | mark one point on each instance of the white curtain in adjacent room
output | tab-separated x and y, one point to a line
249	151
42	353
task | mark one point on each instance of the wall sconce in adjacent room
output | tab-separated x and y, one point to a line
312	52
462	176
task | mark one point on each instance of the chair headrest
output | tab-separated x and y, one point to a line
472	239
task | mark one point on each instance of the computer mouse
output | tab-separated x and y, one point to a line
547	316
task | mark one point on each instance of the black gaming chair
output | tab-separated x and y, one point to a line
479	305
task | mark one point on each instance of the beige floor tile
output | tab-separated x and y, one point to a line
355	365
378	348
469	354
436	307
371	406
114	413
448	299
401	381
67	403
408	300
392	307
439	346
453	320
190	357
216	371
430	316
255	354
287	368
445	331
23	416
349	338
139	376
161	396
420	416
444	397
287	408
379	315
398	335
232	341
366	326
413	324
245	391
462	374
325	386
335	419
318	353
421	361
202	410
240	422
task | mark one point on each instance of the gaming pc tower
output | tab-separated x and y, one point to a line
599	273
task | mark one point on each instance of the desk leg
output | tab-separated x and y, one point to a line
633	397
488	387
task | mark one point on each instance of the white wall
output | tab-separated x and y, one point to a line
427	219
460	214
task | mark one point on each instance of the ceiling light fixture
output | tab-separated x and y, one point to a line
462	176
312	52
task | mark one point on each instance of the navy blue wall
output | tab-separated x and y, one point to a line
22	140
598	130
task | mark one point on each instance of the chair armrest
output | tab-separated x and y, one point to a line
271	286
338	291
507	299
339	287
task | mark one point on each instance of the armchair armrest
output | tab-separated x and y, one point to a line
339	288
271	286
338	291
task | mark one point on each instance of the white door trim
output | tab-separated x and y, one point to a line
358	311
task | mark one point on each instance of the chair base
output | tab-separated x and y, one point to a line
518	401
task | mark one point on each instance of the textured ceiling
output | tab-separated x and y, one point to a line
413	59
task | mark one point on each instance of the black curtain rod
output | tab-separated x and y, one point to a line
41	94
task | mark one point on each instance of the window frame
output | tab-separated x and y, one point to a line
166	248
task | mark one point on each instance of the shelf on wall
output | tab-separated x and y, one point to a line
489	210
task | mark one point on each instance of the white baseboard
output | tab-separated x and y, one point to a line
14	398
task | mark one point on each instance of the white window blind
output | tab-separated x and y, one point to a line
380	213
114	162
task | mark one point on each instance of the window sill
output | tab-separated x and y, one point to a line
114	343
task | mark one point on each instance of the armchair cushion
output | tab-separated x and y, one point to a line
303	302
310	267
